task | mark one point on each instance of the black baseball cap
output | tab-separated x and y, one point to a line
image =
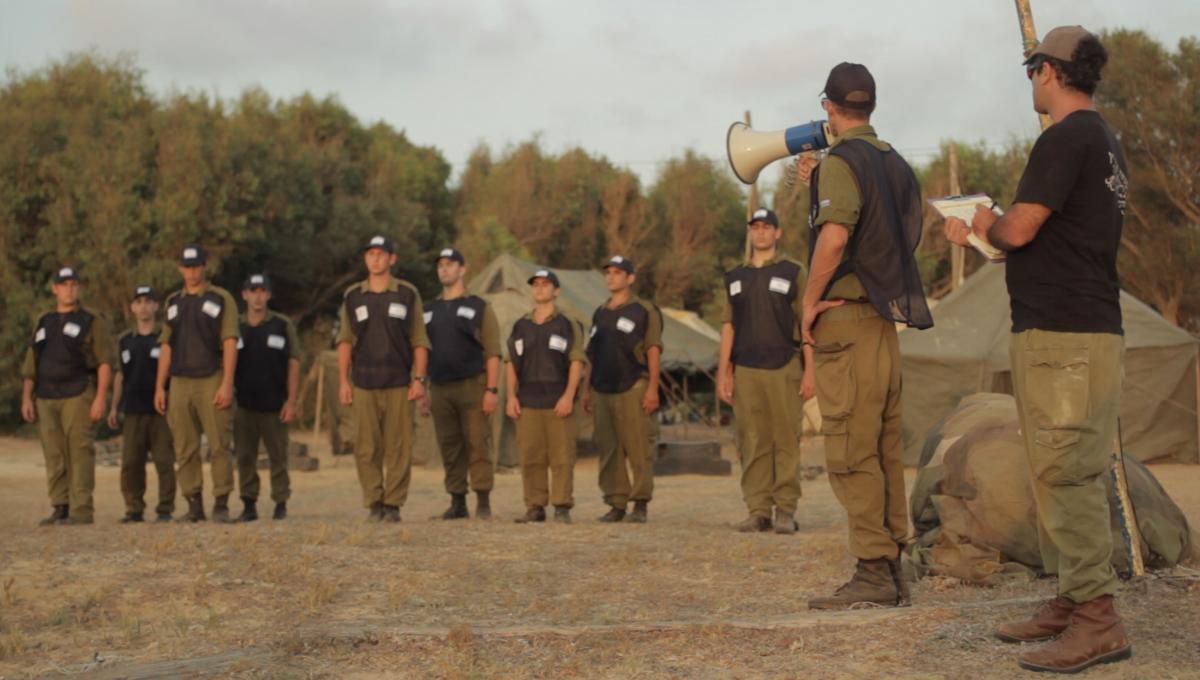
144	291
255	281
620	262
193	255
382	242
66	274
764	215
452	255
545	274
851	86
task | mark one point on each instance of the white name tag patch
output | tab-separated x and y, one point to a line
172	312
40	335
126	357
361	313
71	329
154	353
625	325
519	345
428	316
780	285
466	312
558	343
592	333
211	308
735	288
241	343
398	310
276	341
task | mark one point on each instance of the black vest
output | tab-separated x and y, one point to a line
139	366
62	366
382	356
614	335
262	366
764	319
195	322
541	356
882	245
454	331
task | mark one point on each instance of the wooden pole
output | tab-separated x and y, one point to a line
320	399
958	254
1029	40
687	400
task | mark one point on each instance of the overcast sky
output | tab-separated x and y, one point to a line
637	82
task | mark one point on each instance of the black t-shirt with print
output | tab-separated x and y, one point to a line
1066	278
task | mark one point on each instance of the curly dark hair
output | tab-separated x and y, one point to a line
1083	71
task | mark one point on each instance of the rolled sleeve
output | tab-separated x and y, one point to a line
293	339
29	365
489	333
839	200
229	316
578	346
654	327
345	331
418	336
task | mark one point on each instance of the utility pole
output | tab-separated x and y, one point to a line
958	254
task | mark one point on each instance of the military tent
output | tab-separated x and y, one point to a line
967	352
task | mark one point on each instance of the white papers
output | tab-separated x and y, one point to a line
963	207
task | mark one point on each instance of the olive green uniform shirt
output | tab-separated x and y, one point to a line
417	336
840	201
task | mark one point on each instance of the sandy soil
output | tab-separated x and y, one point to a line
325	594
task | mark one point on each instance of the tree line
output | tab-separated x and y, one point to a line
99	173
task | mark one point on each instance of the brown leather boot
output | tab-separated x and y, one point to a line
534	514
1093	636
872	584
614	514
753	523
195	512
1049	620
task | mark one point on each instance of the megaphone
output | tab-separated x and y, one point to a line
750	151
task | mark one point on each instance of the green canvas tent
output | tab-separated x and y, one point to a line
967	352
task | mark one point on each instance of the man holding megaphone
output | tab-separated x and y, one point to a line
865	217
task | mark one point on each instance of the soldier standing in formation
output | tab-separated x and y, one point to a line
383	352
143	430
464	370
546	356
761	375
624	352
198	352
64	388
266	384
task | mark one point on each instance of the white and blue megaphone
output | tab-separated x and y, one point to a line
750	151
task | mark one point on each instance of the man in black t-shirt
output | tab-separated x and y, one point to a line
143	429
1061	235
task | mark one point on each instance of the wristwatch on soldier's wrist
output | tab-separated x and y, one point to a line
423	379
493	390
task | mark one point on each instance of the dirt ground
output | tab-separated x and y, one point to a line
325	594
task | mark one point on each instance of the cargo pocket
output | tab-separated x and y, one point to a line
1057	396
834	366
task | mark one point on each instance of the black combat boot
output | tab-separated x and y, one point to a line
249	510
220	511
562	513
638	516
391	513
535	514
613	515
132	518
195	511
280	510
57	516
457	509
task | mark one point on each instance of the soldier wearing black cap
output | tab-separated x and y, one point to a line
464	371
65	378
546	356
761	374
865	213
265	385
143	430
199	354
383	352
624	353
